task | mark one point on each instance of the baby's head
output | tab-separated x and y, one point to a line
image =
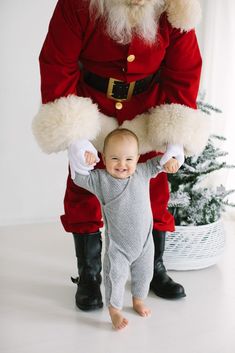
121	153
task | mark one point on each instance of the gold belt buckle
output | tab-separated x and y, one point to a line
110	90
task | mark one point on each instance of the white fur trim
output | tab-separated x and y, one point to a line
107	124
178	124
65	120
183	14
139	125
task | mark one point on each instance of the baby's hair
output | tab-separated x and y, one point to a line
119	132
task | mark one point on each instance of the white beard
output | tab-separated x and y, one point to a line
124	19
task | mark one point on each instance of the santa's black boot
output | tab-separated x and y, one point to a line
88	253
162	285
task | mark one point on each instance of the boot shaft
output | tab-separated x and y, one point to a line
159	247
88	252
161	284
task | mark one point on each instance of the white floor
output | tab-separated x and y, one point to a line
38	314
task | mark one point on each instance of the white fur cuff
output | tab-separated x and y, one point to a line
107	124
183	14
139	126
178	124
65	120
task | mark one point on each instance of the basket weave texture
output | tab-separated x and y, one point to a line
194	247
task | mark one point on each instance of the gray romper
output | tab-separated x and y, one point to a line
128	222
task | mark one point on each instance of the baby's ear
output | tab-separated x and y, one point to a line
103	158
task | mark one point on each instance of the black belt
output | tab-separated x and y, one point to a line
120	90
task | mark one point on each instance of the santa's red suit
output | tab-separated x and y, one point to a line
77	52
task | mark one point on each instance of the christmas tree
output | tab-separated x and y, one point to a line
190	203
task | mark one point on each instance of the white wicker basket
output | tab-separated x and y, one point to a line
194	247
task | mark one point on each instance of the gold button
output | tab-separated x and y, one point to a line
118	105
131	58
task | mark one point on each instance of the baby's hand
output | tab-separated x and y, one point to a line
90	158
171	166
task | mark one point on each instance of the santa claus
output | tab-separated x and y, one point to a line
128	63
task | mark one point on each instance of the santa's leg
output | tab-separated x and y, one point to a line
162	285
83	219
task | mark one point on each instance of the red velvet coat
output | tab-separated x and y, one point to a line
74	40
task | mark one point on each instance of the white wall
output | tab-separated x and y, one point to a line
31	183
216	37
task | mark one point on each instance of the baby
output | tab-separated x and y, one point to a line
123	191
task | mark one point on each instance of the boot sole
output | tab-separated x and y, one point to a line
89	307
175	296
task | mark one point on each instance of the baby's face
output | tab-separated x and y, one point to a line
121	156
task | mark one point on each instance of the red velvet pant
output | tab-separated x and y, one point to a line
83	212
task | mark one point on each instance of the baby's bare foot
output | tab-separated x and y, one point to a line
140	308
118	320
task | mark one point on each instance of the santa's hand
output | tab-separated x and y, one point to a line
173	151
76	155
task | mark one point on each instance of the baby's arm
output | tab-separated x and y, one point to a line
91	180
152	167
171	166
